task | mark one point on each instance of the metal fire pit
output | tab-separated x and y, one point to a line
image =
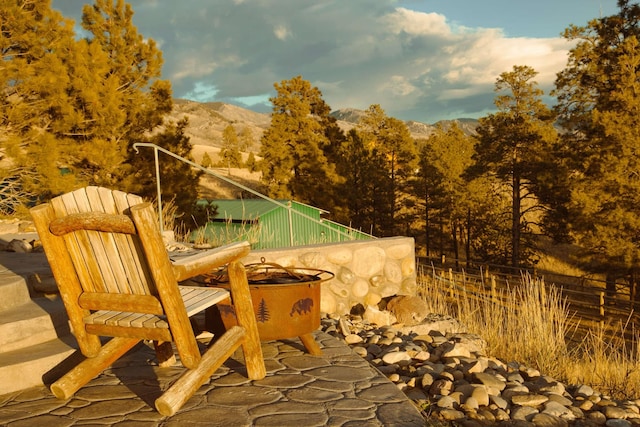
286	301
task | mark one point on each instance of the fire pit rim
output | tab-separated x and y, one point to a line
284	276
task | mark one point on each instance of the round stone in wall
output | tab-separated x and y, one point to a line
368	261
340	256
399	251
313	259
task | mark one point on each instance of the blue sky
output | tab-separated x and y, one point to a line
517	18
422	60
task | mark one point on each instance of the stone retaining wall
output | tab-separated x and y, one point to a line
365	271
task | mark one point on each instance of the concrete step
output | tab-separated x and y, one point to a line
36	321
14	290
36	365
35	340
23	276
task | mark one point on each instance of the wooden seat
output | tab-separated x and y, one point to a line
116	280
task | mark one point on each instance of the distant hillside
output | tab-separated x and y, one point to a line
208	120
349	117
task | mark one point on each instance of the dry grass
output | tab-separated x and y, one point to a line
229	233
531	324
560	258
607	361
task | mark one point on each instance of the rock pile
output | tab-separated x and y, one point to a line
448	376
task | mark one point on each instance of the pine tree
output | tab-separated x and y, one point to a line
512	143
441	188
206	161
134	68
34	43
294	164
599	102
230	153
391	139
361	168
73	108
245	139
251	163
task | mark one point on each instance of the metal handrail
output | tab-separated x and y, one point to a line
156	149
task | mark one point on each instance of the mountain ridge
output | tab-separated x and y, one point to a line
207	121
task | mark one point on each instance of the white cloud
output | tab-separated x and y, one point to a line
281	32
416	23
399	86
416	65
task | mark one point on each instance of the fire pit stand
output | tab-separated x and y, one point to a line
286	302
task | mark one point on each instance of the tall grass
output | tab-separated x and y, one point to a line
531	323
608	360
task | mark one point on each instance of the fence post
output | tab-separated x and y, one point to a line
493	289
601	308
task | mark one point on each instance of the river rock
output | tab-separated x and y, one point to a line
468	388
408	309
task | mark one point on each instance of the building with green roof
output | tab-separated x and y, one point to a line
271	224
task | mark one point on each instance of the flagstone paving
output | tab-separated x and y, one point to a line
338	388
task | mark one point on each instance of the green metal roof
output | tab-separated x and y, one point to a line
269	225
243	210
249	209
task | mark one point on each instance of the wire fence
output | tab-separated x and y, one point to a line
588	299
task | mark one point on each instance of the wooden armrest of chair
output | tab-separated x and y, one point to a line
205	261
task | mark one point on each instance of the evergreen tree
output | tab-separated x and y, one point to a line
34	43
230	153
441	188
245	139
390	138
361	170
134	66
512	144
74	108
294	164
251	163
206	161
599	103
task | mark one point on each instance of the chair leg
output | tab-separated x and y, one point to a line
246	318
182	390
89	368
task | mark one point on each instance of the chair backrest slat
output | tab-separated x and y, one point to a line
135	273
106	247
79	247
140	276
117	266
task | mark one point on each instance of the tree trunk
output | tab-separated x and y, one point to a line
441	238
468	242
515	221
427	224
454	235
634	296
